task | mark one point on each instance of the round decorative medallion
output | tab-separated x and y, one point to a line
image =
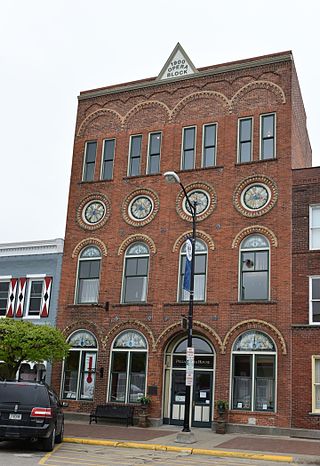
140	207
255	196
93	211
204	197
198	198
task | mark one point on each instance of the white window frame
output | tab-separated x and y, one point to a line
129	154
122	301
314	384
33	278
215	144
182	147
274	136
102	158
76	290
85	158
311	301
128	370
311	228
6	278
238	139
148	152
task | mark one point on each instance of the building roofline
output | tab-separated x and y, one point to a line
202	72
28	248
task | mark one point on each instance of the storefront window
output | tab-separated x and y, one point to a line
128	368
254	372
80	367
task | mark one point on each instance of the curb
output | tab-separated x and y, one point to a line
191	451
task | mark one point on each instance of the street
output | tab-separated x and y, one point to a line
68	454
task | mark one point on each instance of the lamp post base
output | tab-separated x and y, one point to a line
185	437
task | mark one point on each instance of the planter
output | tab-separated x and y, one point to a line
221	426
143	416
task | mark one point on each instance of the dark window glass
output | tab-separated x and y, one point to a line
315	299
137	376
24	394
209	145
90	160
245	140
4	290
200	265
188	148
135	155
242	381
88	280
154	153
35	298
267	134
108	157
264	383
254	275
136	279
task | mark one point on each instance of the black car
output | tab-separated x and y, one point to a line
30	410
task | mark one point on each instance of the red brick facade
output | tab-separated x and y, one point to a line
221	95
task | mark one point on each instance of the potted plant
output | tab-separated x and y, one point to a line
144	401
222	408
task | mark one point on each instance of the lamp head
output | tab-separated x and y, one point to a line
171	177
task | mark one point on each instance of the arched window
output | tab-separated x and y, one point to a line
253	361
128	368
200	271
79	373
254	268
135	276
88	275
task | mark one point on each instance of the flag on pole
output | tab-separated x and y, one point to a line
187	270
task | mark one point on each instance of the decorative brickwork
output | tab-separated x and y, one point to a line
149	193
255	229
252	181
80	211
200	234
198	186
138	237
87	242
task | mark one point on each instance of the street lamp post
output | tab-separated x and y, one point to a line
172	177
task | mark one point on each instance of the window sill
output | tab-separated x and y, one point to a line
131	304
94	181
83	305
314	414
246	303
186	303
135	177
306	326
240	164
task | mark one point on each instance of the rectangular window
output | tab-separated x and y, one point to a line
200	267
314	303
89	161
79	375
88	281
254	275
209	146
314	223
154	153
245	140
267	131
4	295
135	156
35	298
108	158
136	279
188	148
316	384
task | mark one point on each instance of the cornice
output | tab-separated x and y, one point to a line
30	248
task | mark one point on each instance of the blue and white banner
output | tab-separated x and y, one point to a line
187	270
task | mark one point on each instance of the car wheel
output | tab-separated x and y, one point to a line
48	443
59	437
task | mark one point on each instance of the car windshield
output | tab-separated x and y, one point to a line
23	394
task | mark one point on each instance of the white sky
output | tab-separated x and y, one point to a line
51	50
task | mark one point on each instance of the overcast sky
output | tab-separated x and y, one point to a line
51	50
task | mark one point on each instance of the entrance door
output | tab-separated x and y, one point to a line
201	401
178	397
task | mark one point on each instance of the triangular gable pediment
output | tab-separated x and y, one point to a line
178	65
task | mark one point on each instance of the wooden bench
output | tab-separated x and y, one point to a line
112	411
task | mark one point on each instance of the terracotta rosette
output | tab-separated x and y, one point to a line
268	183
87	200
143	192
197	186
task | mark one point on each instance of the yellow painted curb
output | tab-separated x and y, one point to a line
191	451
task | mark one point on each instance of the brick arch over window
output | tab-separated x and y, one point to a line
200	95
88	242
85	325
148	104
267	85
255	229
130	324
200	235
92	116
174	329
257	325
138	237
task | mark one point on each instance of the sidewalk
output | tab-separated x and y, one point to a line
273	448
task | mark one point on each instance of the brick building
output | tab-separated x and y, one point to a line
234	133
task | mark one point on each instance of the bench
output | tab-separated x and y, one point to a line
112	411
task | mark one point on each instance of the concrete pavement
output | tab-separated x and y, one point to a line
270	447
